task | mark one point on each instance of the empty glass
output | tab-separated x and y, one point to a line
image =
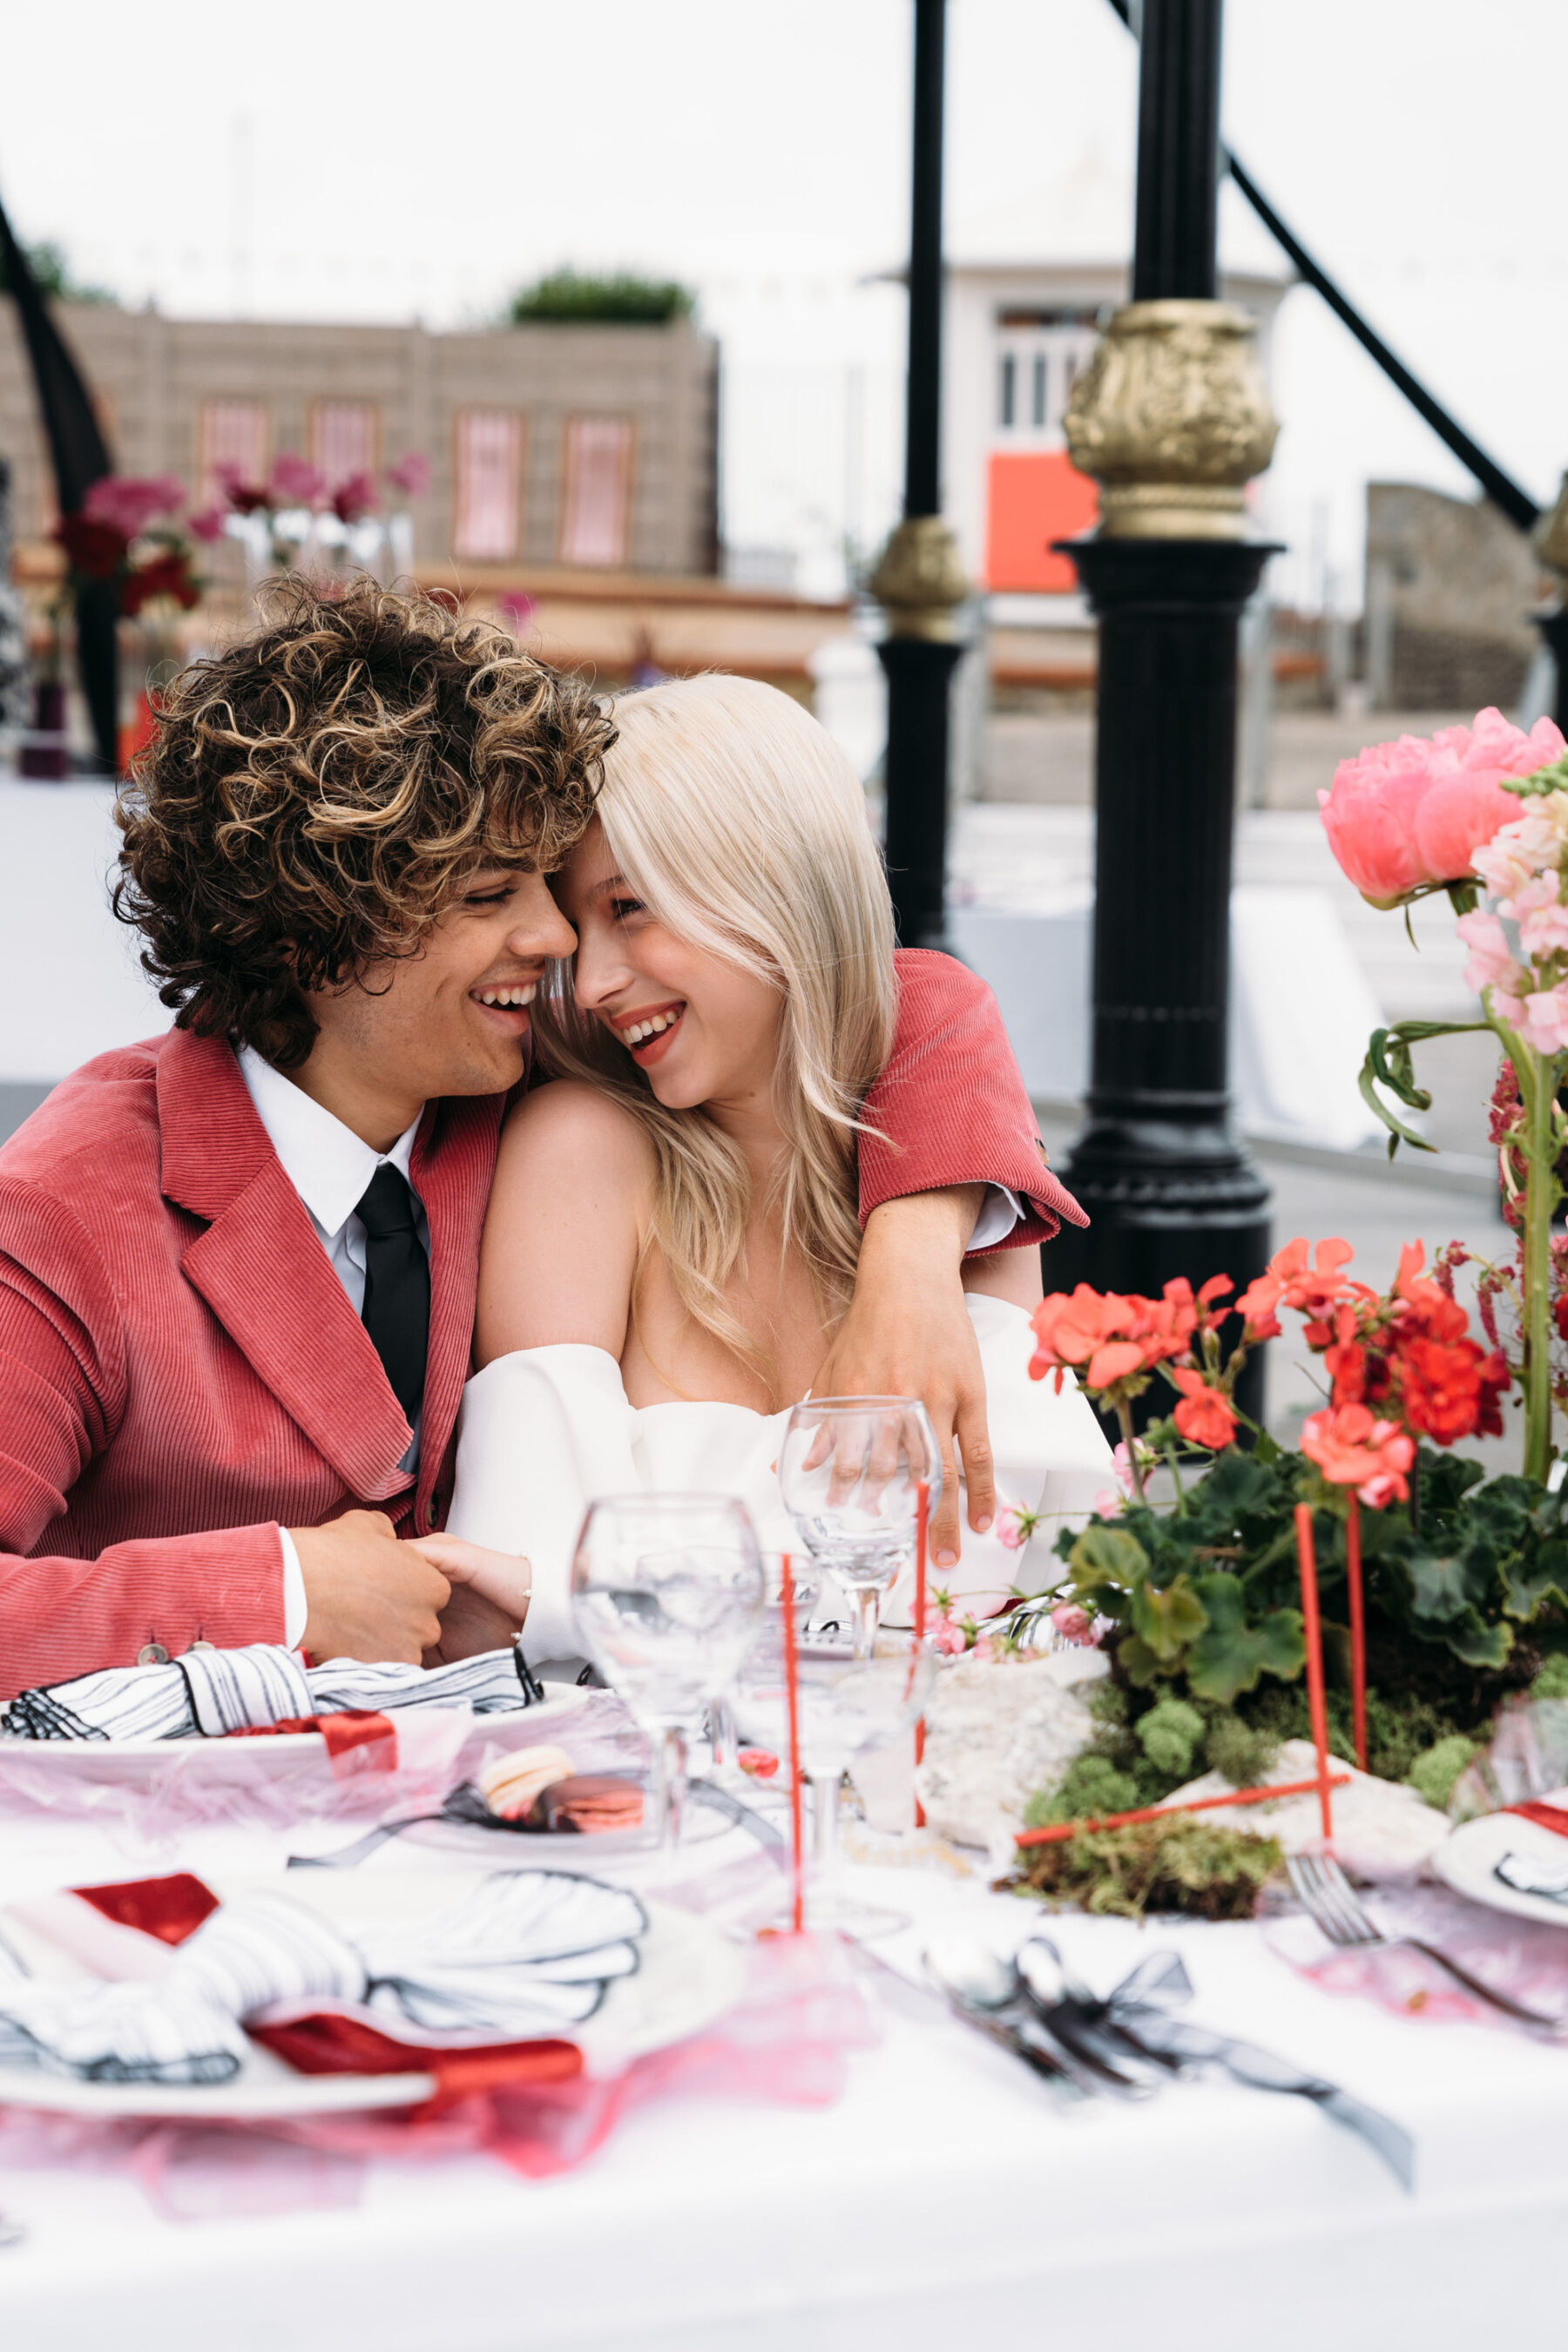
850	1470
848	1705
667	1592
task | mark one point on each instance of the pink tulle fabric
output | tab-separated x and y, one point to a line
151	1801
1524	1959
787	2041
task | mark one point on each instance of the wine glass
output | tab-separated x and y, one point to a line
846	1705
667	1590
723	1731
850	1470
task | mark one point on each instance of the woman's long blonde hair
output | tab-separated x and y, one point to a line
741	824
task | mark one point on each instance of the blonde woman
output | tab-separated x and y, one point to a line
672	1235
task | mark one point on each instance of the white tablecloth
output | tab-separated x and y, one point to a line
946	2201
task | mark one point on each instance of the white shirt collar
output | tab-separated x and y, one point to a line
326	1163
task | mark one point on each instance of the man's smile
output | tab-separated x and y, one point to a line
506	1004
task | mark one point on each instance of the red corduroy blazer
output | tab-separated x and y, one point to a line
181	1372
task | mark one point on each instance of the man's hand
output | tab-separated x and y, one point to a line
489	1599
369	1596
908	1333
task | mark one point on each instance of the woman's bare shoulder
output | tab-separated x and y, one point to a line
568	1208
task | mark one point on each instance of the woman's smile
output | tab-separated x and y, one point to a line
648	1033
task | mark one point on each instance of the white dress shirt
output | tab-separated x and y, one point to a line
328	1166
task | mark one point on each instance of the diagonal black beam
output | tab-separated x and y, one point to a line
1501	488
80	457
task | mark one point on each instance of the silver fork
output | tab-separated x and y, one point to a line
1326	1897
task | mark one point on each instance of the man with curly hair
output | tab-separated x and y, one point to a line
237	1262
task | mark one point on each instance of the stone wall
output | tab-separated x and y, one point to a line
1450	583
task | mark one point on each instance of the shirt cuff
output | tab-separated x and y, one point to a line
296	1604
999	1213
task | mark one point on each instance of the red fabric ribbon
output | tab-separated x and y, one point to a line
170	1908
360	1739
326	2044
1545	1817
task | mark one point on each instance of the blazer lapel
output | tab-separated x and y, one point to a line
262	1270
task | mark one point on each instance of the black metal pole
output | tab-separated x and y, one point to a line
80	457
919	653
1168	1186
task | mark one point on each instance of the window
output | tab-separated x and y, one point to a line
231	433
1038	354
1037	407
486	510
344	439
597	491
1009	390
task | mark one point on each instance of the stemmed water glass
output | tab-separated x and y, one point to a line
850	1470
667	1590
846	1707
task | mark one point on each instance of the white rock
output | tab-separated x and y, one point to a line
996	1732
1381	1828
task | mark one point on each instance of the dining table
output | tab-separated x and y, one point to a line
947	2197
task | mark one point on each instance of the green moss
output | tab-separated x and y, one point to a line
1090	1786
1434	1772
1169	1735
1551	1682
1209	1870
1244	1752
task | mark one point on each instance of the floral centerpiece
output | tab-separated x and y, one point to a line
1464	1577
293	522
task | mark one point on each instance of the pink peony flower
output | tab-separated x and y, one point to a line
128	502
1465	809
297	482
410	474
208	524
1414	814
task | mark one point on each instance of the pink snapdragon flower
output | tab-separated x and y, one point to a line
1545	1023
1491	965
411	474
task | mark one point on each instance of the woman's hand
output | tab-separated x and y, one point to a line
908	1333
489	1600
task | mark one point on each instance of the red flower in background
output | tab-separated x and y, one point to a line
93	547
165	575
354	498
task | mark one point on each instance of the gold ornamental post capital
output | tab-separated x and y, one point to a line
920	580
1172	418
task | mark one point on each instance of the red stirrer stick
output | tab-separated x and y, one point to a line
1358	1629
791	1705
922	1522
1313	1631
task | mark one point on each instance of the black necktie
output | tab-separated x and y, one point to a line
396	1284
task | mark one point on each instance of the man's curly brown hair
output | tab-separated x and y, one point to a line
315	797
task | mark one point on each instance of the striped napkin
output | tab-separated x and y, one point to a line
523	1954
211	1692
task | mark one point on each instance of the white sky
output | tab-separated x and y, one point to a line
349	160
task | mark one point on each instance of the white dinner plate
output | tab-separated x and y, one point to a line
1468	1856
687	1974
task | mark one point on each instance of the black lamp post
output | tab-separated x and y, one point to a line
920	581
1172	419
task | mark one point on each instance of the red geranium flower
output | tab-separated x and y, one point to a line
1204	1416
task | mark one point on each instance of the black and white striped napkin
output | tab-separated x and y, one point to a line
211	1692
524	1954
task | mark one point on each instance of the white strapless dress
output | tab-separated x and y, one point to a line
546	1431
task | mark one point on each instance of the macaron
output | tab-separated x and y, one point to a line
512	1784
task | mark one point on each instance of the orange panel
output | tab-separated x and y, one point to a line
1034	497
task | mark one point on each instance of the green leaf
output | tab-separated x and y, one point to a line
1168	1621
1137	1662
1388	1064
1107	1560
1230	1655
1528	1582
1444	1585
1479	1645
